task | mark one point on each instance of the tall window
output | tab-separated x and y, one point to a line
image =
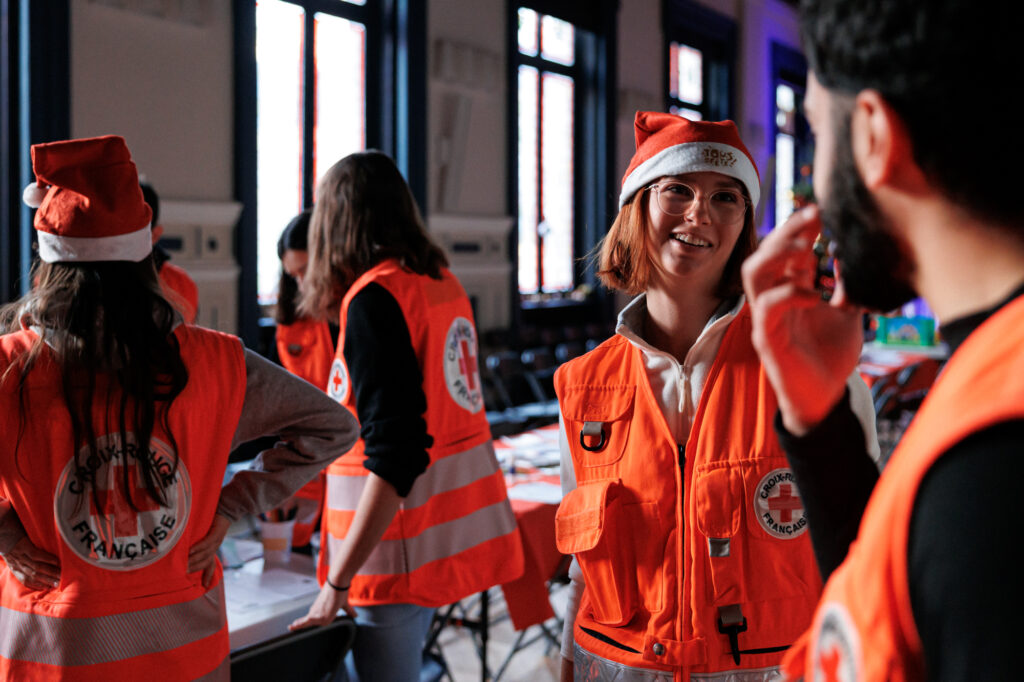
685	80
546	89
794	146
311	109
701	53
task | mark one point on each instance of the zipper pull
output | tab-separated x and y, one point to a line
682	456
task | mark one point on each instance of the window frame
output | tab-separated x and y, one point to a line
395	99
35	86
594	195
789	67
715	36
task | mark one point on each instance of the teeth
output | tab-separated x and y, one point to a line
691	240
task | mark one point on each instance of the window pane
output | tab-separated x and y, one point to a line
691	114
557	40
557	192
685	68
340	49
527	32
278	133
785	109
527	162
784	174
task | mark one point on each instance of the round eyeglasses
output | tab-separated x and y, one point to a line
724	205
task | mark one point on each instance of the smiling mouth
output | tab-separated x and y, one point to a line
691	240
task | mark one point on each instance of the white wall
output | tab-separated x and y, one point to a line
164	84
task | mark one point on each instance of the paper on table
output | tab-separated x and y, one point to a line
538	491
248	590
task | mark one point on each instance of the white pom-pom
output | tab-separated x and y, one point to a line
33	195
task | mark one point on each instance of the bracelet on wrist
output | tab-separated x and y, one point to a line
343	588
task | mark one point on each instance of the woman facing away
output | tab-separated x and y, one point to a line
417	514
692	559
118	421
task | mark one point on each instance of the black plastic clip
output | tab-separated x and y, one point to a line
732	630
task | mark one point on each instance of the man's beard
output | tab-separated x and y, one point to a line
874	267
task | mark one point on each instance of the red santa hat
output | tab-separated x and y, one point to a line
90	205
667	144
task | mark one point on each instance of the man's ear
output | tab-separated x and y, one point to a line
881	144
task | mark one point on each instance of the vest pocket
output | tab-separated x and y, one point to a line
597	421
719	501
755	534
591	524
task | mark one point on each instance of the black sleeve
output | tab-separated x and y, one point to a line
835	476
388	386
965	587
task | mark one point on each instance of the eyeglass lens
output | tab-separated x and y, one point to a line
724	205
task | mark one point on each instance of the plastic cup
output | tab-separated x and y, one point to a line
277	541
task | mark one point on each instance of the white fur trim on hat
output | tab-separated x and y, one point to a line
693	157
133	246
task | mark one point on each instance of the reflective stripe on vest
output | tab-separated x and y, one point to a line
445	474
104	639
436	542
600	669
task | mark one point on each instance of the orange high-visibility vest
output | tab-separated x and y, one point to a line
695	560
180	290
306	349
455	533
126	608
864	628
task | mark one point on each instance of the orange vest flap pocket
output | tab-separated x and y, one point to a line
719	499
590	403
579	520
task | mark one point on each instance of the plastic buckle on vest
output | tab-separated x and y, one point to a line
589	430
731	622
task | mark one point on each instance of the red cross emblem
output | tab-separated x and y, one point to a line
467	364
113	502
786	503
337	384
830	661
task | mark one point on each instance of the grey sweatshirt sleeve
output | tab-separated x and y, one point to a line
11	530
312	429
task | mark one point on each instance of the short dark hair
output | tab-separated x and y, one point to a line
926	59
153	199
295	237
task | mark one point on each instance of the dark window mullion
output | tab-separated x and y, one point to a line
336	7
308	106
540	179
547	65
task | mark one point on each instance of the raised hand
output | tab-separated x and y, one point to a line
808	347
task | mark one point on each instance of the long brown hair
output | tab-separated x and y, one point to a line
624	264
107	323
364	214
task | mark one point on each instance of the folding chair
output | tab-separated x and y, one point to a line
311	655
